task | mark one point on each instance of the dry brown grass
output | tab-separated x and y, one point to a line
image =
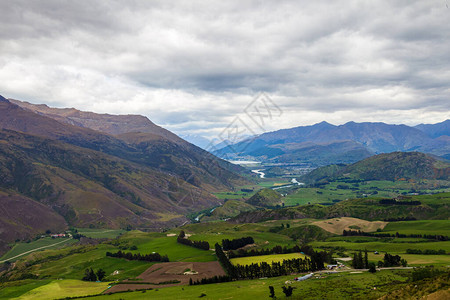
337	225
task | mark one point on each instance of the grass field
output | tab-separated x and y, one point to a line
391	248
331	192
47	242
100	233
265	258
337	225
65	288
71	263
168	246
441	227
215	232
334	286
13	289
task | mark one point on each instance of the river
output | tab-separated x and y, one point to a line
261	174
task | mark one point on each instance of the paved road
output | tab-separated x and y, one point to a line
36	249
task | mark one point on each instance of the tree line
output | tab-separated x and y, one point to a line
395	202
360	262
236	243
268	251
137	256
396	235
197	244
297	265
426	251
215	279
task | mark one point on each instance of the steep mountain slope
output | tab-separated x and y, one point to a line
22	218
335	144
86	177
139	140
387	166
90	187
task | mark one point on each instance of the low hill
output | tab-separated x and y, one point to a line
265	198
426	207
387	166
230	208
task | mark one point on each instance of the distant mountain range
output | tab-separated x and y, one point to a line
61	167
324	143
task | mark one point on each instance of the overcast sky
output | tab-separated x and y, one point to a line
193	67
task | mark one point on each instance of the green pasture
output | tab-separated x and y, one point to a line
58	289
100	233
215	232
167	245
71	264
46	242
440	227
13	289
330	191
333	286
265	258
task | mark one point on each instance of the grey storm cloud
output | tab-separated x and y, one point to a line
193	66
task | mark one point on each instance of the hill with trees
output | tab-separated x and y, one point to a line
387	166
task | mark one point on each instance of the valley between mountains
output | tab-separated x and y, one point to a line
116	207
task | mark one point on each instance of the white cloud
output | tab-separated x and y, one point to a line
192	67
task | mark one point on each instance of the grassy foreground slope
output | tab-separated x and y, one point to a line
334	286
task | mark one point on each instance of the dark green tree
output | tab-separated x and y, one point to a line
366	260
100	274
89	275
372	268
272	292
287	290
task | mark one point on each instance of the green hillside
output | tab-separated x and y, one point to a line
388	166
265	198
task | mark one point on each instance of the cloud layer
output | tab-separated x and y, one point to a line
193	67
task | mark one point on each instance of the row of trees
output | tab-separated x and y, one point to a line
397	235
426	251
395	202
90	275
224	261
360	262
215	279
236	243
197	244
256	252
286	267
137	256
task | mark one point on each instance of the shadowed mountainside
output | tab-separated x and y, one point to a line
85	177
